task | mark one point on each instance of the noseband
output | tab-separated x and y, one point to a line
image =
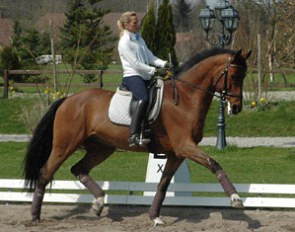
224	91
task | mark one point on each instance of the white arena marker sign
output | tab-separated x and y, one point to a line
155	169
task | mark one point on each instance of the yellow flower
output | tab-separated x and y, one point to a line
262	100
253	104
11	88
46	91
53	96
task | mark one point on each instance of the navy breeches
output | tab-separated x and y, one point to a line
137	86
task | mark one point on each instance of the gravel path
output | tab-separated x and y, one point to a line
209	141
274	95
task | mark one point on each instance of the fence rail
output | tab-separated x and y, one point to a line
130	193
100	74
6	74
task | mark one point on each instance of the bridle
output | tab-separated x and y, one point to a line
221	95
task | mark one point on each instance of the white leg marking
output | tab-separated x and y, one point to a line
158	221
236	201
98	205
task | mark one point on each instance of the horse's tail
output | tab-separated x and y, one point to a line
40	146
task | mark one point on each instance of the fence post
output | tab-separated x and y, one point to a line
5	77
100	79
259	66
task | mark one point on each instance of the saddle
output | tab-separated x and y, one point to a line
123	104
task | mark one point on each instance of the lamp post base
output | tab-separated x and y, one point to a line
221	140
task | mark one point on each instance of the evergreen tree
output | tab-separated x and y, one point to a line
85	42
29	45
9	61
182	11
149	29
166	37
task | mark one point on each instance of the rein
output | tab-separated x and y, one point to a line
224	91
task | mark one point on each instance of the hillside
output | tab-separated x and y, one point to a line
33	9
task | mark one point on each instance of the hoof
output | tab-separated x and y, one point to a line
32	223
98	205
158	221
236	201
238	204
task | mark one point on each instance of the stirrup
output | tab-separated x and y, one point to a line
134	140
143	141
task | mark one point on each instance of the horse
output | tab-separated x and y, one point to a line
81	120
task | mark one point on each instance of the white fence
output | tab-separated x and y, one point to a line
130	193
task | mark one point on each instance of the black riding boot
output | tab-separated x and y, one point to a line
136	121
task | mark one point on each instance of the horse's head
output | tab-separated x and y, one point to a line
230	82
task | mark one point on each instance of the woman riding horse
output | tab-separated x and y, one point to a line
82	120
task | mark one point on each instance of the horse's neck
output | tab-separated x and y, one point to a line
198	95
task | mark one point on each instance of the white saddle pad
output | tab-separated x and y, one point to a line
120	103
119	108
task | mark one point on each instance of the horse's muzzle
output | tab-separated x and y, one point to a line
235	109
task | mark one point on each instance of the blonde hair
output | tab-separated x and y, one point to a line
124	18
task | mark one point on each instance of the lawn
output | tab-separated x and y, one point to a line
243	165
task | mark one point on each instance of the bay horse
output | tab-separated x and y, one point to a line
82	120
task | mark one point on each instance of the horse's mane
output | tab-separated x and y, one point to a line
199	57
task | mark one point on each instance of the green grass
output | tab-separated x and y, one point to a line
243	165
10	115
251	165
278	120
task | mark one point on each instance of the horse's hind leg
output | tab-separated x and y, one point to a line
95	155
55	160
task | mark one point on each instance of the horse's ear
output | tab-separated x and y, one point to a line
237	55
246	56
239	52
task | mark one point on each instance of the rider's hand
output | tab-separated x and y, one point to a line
167	65
160	71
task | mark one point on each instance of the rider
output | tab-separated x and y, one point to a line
136	59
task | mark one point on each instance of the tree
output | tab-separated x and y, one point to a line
166	38
9	60
182	11
273	21
149	29
85	43
29	45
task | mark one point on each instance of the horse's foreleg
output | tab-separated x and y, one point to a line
171	166
206	161
94	156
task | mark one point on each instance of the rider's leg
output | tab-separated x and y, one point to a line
139	90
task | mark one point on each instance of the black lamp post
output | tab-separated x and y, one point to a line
229	20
